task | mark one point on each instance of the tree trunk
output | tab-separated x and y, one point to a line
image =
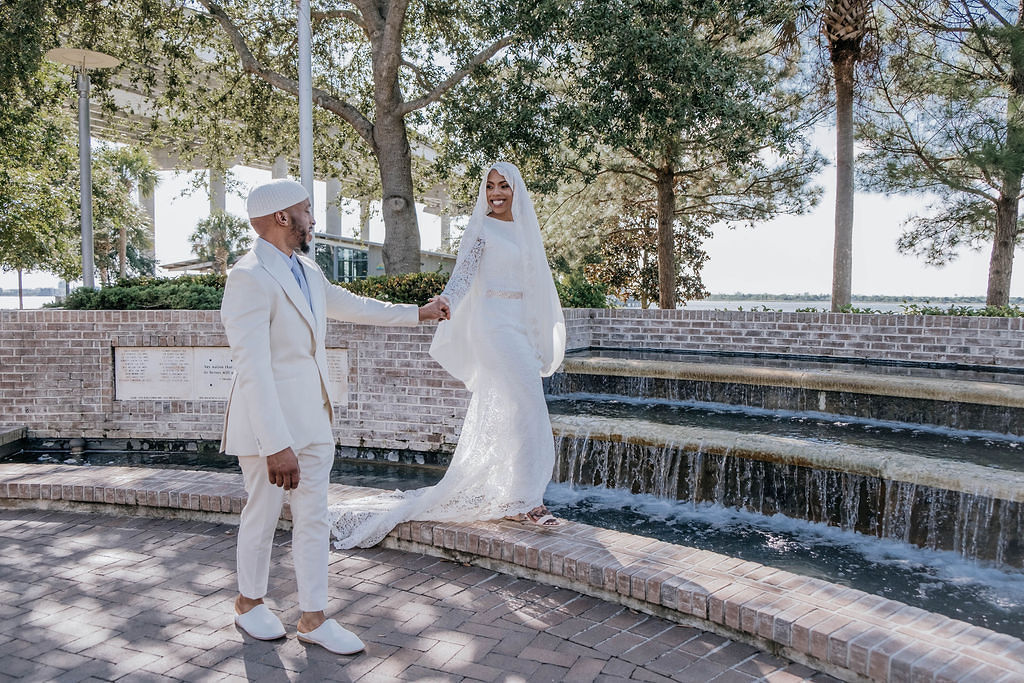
666	239
394	160
401	252
1000	266
220	260
843	61
21	294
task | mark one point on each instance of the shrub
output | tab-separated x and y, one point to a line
190	292
928	309
575	291
411	288
204	292
989	311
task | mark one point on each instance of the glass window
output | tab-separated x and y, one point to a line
341	264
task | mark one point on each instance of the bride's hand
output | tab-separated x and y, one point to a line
437	308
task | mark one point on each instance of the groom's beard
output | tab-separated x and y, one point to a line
302	237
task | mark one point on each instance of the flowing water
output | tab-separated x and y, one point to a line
978	524
984	448
938	581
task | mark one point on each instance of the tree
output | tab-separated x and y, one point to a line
222	238
608	229
680	95
947	122
117	216
844	23
39	183
134	169
627	262
38	178
223	77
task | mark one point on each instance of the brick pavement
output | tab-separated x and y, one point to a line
94	597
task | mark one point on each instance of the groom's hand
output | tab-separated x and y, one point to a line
436	309
283	469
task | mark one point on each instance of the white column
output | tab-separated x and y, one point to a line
364	220
446	227
148	204
332	224
305	99
279	169
218	194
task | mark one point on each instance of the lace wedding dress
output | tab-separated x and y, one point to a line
505	453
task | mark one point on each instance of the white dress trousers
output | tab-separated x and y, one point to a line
311	530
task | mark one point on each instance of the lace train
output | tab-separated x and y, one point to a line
504	458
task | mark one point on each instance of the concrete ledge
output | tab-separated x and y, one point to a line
957	391
845	632
9	435
936	473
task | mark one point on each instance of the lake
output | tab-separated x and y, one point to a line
30	301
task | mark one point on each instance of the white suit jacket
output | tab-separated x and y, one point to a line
280	388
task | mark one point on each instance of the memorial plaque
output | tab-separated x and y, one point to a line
337	374
203	373
213	373
159	373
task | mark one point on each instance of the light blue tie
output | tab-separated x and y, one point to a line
300	278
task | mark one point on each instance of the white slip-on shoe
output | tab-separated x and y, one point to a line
331	636
260	623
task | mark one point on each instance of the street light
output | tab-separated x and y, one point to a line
306	104
82	61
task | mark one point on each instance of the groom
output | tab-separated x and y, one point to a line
278	422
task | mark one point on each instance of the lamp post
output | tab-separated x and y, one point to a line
306	104
83	61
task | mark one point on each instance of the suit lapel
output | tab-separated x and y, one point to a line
275	264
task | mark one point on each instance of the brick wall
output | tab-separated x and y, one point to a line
56	367
945	339
57	379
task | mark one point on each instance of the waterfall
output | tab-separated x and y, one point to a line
975	524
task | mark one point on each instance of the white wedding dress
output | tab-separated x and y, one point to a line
505	455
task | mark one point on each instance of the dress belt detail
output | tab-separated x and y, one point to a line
503	294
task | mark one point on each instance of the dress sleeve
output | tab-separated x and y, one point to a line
462	277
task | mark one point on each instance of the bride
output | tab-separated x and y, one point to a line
506	332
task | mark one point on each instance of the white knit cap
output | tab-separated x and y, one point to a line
276	195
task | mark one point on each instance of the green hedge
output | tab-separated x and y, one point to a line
204	292
413	288
189	292
920	309
987	311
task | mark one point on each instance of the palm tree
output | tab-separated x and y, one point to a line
844	23
135	169
222	238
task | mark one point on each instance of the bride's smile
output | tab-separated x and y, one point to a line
499	197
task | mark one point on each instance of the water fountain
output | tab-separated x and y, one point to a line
892	488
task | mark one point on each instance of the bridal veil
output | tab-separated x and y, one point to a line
455	341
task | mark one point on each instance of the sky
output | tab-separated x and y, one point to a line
789	255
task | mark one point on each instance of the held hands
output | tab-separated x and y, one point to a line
283	469
438	308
